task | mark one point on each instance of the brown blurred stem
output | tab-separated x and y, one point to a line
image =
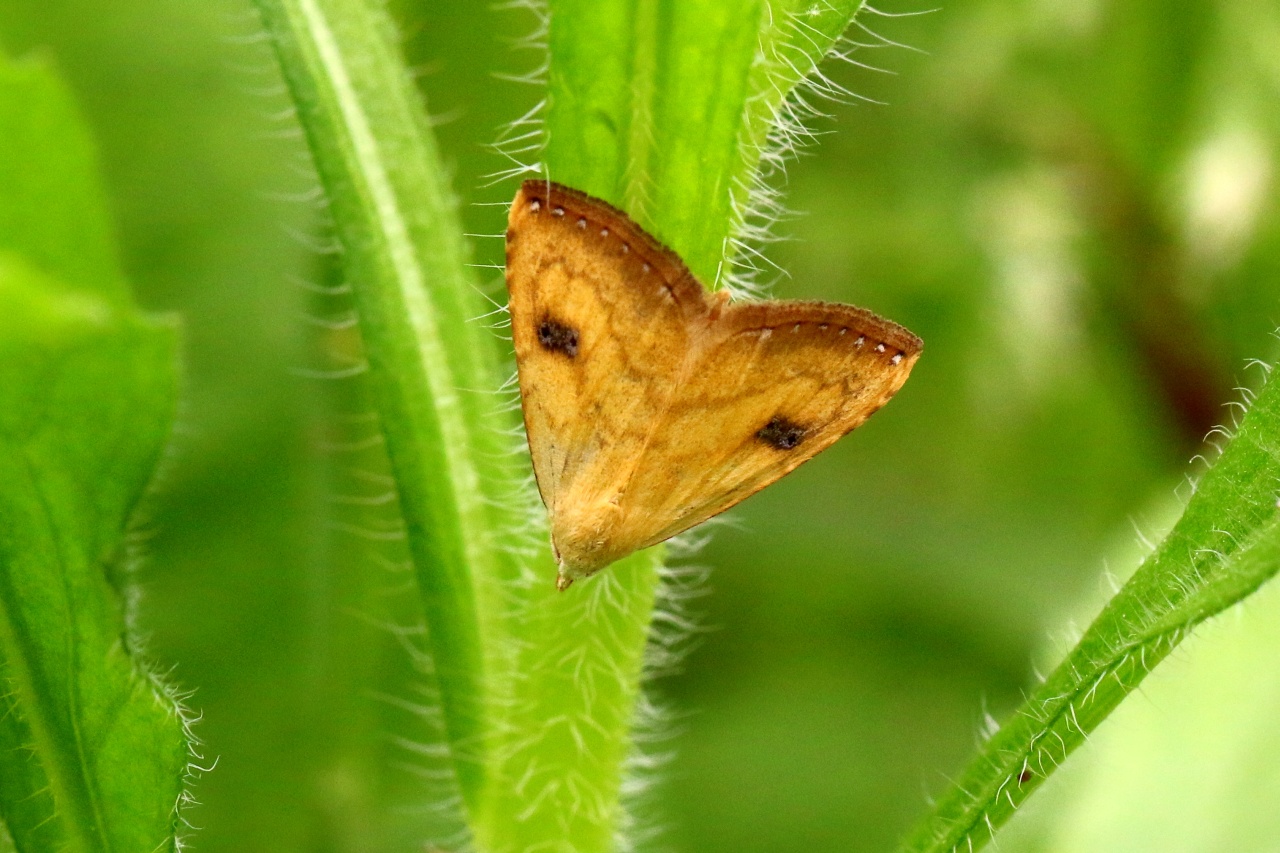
1140	279
1139	275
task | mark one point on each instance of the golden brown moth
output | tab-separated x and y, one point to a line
652	404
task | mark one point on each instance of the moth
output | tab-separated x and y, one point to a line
652	404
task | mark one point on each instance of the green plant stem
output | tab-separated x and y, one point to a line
556	772
92	748
664	107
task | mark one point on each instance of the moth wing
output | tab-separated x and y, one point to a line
776	384
599	321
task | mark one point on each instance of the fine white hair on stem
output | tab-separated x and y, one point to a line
792	52
361	518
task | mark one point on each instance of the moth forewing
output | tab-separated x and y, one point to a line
650	404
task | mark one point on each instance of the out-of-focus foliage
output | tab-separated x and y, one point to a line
1073	204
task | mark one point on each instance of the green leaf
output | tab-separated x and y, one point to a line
1225	545
92	751
432	368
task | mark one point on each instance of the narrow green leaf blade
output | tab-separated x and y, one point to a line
1225	545
92	750
432	369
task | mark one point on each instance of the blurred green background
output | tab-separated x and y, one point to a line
1072	203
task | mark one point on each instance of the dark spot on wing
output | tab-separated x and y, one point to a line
781	433
558	337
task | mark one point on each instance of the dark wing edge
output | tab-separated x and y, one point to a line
685	286
872	328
